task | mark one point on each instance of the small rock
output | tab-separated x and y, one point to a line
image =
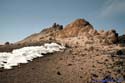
58	73
94	75
119	52
81	77
69	64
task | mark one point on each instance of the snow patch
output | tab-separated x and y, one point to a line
25	54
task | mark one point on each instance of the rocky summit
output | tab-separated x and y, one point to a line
79	28
76	28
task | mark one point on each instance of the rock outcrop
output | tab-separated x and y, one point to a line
76	28
122	39
79	28
109	37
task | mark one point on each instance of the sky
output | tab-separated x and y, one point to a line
21	18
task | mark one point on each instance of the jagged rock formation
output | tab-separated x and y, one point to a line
79	28
76	28
80	32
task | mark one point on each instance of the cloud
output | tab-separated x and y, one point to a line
113	8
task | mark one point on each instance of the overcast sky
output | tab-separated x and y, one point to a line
20	18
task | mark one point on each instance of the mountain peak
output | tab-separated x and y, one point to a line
80	23
78	28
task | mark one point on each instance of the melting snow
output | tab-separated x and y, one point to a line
25	54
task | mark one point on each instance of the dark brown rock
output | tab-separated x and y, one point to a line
7	43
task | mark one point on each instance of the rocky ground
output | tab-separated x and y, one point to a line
73	65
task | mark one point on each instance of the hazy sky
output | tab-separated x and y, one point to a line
20	18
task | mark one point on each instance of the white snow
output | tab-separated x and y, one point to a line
25	54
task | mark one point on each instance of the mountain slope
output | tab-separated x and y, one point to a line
77	28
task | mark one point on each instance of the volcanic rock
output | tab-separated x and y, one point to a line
79	28
76	28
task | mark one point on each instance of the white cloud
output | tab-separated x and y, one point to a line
113	8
